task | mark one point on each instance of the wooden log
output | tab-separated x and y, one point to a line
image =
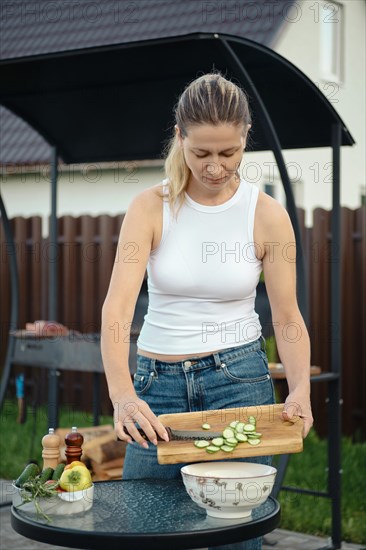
99	468
104	448
102	476
89	434
108	470
106	451
114	473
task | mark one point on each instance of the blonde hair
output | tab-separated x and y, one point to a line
209	99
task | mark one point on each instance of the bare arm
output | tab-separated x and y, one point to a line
134	246
292	338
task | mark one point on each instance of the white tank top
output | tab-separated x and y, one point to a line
202	277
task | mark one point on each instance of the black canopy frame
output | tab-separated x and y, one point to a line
115	102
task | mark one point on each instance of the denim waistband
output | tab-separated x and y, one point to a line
213	359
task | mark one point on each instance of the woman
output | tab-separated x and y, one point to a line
204	236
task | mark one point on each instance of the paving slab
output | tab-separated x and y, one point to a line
280	539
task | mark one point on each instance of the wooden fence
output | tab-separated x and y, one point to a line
86	250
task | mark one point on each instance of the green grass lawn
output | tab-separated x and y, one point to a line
303	513
312	514
20	443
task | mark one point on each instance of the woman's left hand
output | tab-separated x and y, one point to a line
298	404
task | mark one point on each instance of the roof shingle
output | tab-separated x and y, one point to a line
33	28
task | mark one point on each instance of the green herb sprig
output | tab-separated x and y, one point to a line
34	489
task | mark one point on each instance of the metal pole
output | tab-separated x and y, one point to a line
14	291
334	440
52	254
52	289
96	398
275	145
335	417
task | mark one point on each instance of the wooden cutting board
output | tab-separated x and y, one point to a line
278	436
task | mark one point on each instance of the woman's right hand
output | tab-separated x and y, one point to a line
129	410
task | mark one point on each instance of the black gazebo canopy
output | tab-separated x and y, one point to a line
114	103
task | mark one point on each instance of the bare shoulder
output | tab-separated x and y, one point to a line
272	222
146	206
269	210
149	199
145	213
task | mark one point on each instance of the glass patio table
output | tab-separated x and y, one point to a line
148	513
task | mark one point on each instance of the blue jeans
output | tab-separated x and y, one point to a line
233	377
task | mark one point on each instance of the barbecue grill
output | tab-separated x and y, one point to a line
73	352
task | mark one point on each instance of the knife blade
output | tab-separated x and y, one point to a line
181	435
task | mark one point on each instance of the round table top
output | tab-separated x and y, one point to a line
151	513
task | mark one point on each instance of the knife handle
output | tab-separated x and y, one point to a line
143	434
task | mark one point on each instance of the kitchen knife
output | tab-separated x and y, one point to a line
181	435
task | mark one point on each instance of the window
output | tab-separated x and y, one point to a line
269	189
275	189
331	41
362	195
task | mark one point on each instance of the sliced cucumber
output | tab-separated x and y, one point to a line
239	428
231	441
201	443
236	432
253	441
212	449
234	423
218	441
227	448
228	432
228	445
249	428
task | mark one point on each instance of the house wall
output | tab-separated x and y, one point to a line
90	191
300	43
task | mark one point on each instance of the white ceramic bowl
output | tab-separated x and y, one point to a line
61	504
228	489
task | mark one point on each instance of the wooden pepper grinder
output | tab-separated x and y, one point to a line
51	449
74	441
